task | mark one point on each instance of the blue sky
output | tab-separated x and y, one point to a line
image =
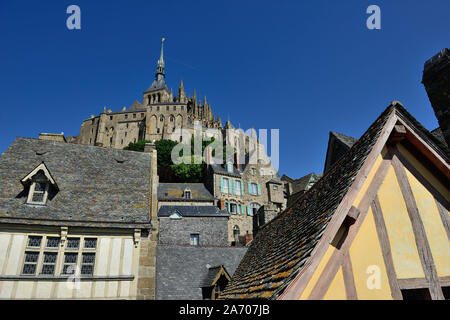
304	67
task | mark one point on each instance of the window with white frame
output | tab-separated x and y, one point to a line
39	182
38	189
225	185
253	188
79	254
37	247
238	187
187	194
42	253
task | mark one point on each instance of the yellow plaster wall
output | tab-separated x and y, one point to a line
434	227
336	291
405	255
426	173
366	255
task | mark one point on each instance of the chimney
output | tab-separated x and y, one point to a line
149	147
221	204
248	238
436	79
208	156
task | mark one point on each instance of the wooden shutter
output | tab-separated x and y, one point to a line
259	190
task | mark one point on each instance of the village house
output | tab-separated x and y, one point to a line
376	226
76	221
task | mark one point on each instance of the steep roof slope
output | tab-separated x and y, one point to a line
279	250
96	185
181	270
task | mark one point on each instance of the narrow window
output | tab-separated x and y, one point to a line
238	187
195	239
187	194
134	115
52	242
70	262
49	263
126	116
87	263
30	263
38	192
225	185
34	241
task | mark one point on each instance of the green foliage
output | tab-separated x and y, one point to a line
188	172
164	149
184	172
138	146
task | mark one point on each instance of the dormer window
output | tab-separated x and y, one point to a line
187	194
39	181
38	193
229	167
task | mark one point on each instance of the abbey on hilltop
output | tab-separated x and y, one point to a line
154	119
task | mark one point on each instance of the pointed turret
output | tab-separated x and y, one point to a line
160	68
181	93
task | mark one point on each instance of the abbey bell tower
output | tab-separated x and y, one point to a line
158	91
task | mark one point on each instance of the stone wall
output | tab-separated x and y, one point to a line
212	230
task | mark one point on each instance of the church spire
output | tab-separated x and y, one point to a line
160	68
181	93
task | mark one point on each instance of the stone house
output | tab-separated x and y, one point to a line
76	222
193	225
242	190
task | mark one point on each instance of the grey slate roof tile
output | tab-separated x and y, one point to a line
181	270
192	211
97	186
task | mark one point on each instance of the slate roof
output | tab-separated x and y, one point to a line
157	85
347	140
221	169
192	211
300	185
174	192
284	245
97	186
181	270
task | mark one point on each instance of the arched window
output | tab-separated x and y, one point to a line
161	118
172	118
